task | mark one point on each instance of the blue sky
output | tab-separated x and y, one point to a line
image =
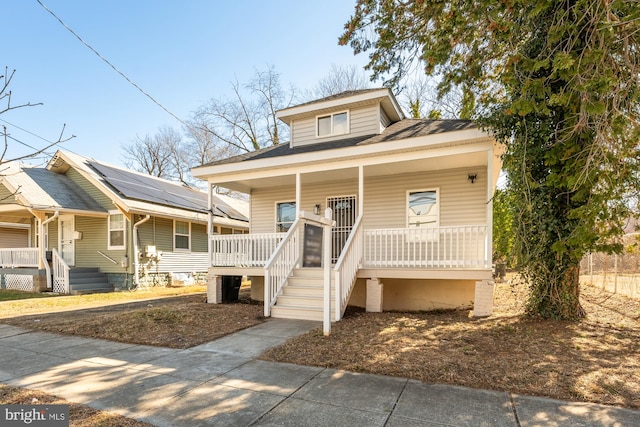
181	52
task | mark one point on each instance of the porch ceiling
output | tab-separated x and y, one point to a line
323	172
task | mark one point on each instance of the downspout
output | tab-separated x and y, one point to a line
136	258
43	254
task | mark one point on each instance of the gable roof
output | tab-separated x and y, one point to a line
383	96
38	188
406	128
137	192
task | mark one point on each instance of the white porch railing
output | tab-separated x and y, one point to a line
346	268
280	265
439	247
60	273
243	250
19	257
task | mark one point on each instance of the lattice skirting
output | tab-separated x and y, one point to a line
18	282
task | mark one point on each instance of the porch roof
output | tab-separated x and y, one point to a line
406	128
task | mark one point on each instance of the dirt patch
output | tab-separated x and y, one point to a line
595	360
80	415
175	322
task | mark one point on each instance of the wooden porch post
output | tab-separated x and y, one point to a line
298	193
360	189
490	193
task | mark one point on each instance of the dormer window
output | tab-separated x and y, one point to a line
333	124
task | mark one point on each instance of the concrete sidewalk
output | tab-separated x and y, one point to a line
221	383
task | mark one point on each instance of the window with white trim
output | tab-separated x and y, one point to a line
181	235
423	209
332	124
116	231
285	216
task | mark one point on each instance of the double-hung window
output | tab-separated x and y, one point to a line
181	236
285	216
116	231
333	124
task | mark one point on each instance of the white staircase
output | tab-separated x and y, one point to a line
303	296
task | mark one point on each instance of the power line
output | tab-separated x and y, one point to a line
113	66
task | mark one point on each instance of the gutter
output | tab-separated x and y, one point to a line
136	258
43	255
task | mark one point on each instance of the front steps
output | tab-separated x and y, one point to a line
303	296
88	280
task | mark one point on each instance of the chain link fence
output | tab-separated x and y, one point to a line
619	274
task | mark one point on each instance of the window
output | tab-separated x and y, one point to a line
285	215
423	209
333	124
116	231
181	235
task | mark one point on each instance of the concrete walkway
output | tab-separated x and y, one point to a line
221	384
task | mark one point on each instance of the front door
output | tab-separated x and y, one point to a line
344	214
66	244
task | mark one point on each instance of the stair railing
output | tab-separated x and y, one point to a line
60	273
346	268
280	265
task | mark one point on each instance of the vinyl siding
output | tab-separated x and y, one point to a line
94	238
158	232
90	189
6	197
385	198
461	203
362	121
263	202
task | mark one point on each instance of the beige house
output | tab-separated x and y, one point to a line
82	225
410	200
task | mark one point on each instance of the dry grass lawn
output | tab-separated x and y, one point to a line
595	360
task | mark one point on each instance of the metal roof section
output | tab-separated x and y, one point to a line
41	189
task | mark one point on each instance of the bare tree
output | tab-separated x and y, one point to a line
246	121
163	155
5	134
420	98
341	78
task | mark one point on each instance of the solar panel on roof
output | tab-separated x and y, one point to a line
146	188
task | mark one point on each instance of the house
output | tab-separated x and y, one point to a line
95	226
411	200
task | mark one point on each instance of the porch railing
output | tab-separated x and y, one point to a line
346	268
19	257
243	250
439	247
60	273
280	265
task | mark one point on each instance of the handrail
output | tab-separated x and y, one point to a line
108	257
60	273
346	268
280	265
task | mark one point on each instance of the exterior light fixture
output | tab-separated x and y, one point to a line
472	177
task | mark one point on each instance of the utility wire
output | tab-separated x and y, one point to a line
113	66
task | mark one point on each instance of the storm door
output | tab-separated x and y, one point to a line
66	245
344	214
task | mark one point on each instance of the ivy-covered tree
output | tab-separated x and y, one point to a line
558	83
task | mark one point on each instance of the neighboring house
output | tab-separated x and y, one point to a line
411	200
104	227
